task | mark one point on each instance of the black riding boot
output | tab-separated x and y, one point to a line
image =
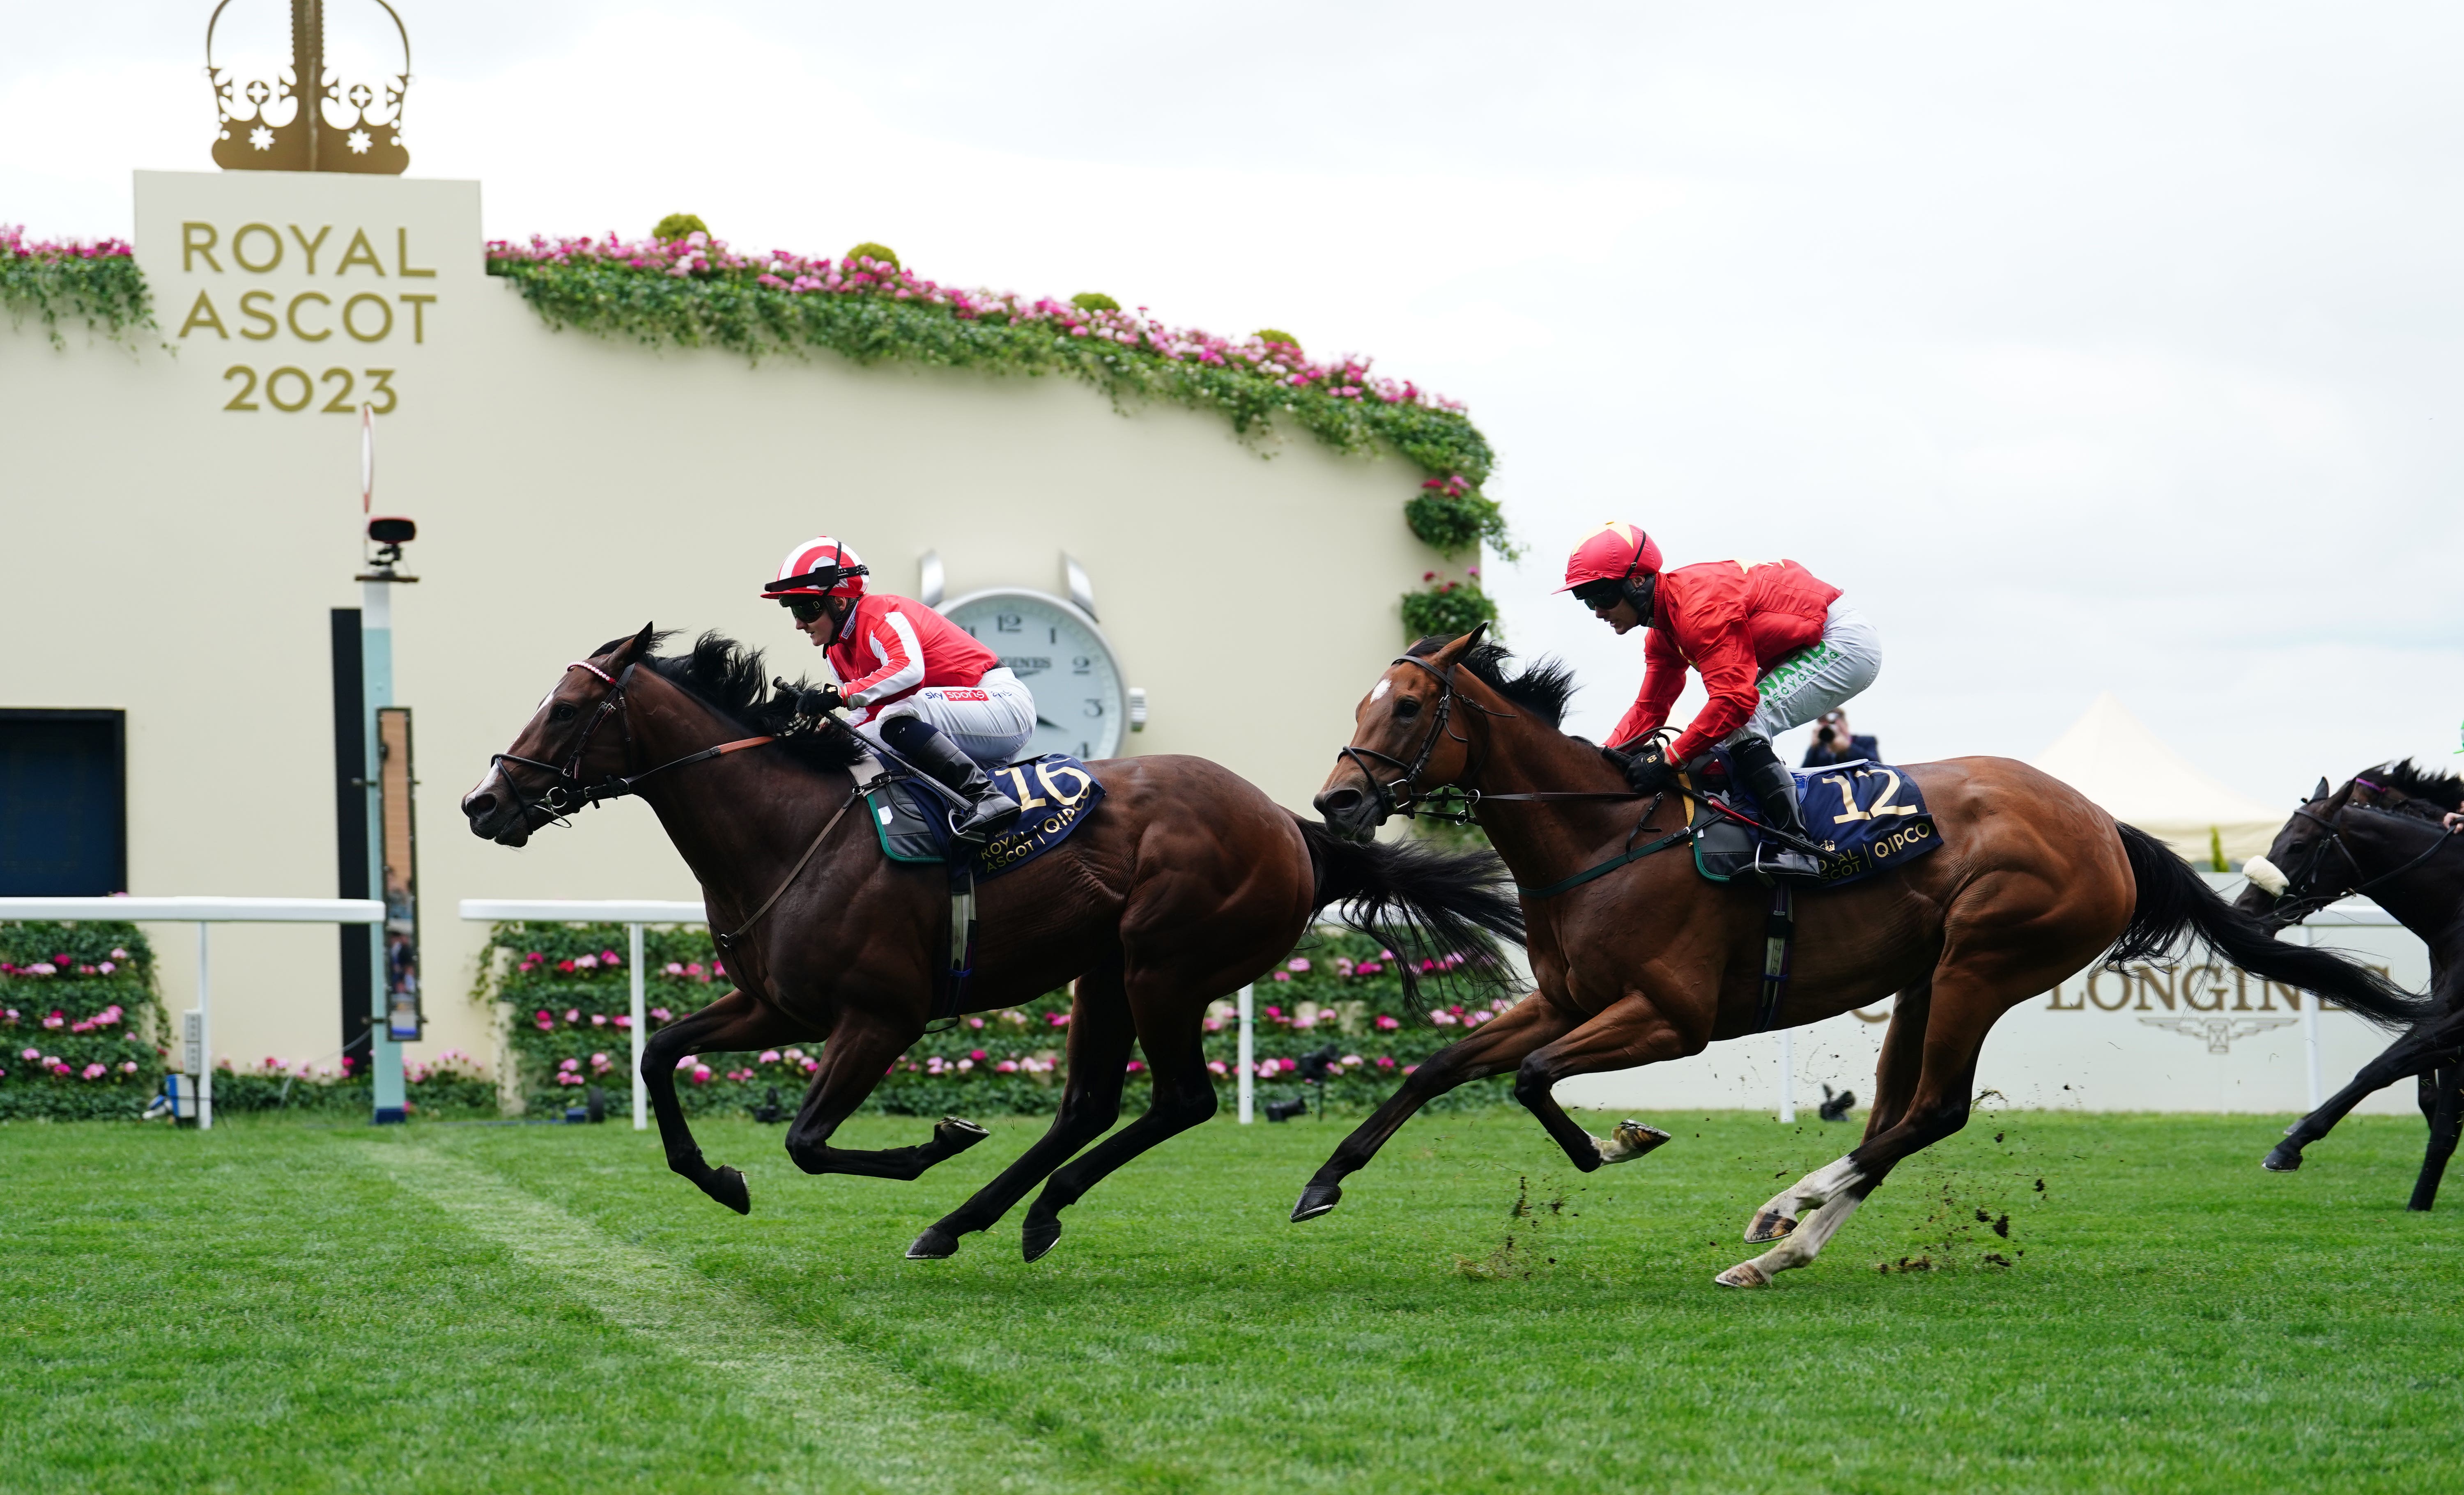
989	811
1775	787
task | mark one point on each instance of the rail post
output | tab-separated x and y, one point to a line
204	1076
1248	1052
641	1020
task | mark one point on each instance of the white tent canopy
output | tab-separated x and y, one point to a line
2110	757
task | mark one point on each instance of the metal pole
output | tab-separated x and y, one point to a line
2310	1031
1248	1056
376	672
204	1033
641	1089
1786	1075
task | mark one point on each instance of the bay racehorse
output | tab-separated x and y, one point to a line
2383	835
1647	961
1183	885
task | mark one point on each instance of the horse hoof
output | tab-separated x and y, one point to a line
2283	1160
1745	1274
1630	1140
726	1185
933	1245
957	1134
1316	1200
1770	1225
1039	1236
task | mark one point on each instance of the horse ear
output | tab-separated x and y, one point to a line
1445	658
2322	791
638	647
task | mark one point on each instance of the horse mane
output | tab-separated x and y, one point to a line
733	679
2414	781
1542	689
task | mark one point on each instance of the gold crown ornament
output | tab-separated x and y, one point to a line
307	117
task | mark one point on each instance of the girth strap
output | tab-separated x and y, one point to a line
1780	933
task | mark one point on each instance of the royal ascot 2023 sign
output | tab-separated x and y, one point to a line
295	294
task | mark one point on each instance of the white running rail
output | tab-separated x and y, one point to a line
632	913
205	912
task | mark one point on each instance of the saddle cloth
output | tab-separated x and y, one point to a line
1870	818
1054	793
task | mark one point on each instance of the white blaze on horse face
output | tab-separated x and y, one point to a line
1378	692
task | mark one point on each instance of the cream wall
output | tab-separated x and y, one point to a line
175	559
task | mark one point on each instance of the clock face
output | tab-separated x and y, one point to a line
1060	655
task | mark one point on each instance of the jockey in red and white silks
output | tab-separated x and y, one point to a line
896	657
911	679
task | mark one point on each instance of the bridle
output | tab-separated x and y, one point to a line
1405	796
2294	905
568	794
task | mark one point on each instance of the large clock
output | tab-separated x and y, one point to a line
1059	653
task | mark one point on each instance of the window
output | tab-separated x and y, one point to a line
64	803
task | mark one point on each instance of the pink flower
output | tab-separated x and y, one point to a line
674	969
1135	1067
610	957
975	1023
1059	1019
811	1064
1297	963
975	1053
570	1064
106	968
30	1055
701	1074
1408	1068
587	964
658	1013
1386	1023
1385	1063
769	1056
599	1020
1283	976
128	1067
624	1022
686	1063
572	1014
965	1064
1444	1019
1287	1066
96	1071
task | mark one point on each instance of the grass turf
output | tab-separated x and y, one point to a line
280	1305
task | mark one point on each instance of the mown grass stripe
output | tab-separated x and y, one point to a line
887	1431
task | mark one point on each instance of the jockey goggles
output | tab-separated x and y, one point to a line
1603	593
806	608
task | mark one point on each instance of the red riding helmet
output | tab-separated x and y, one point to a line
818	567
1617	552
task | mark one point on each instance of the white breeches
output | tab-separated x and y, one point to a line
990	721
1817	678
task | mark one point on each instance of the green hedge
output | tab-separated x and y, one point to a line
80	1018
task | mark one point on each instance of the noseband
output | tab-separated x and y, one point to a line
568	793
2301	898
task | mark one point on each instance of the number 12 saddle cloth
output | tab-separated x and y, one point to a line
1868	818
1055	792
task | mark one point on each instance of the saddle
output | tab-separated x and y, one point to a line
911	816
1869	818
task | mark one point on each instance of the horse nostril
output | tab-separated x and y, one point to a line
477	805
1338	801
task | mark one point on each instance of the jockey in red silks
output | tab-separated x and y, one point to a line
914	680
1776	647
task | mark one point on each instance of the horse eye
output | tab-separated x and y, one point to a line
1406	709
563	711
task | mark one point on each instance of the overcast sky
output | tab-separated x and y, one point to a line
2089	348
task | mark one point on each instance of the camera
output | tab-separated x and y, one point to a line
1286	1110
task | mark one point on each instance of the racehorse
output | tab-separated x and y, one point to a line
2383	835
1638	960
1184	884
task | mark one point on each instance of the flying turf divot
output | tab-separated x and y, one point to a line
884	1430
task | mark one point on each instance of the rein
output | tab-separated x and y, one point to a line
568	794
1403	796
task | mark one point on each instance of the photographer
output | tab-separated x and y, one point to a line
1834	743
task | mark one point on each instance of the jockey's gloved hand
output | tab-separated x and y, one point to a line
1647	768
820	702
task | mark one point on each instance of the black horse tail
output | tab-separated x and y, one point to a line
2174	901
1443	912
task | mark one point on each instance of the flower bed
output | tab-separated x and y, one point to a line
570	1027
79	1019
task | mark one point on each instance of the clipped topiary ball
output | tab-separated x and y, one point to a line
1278	335
675	226
883	253
1095	301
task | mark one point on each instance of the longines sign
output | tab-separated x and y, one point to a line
290	294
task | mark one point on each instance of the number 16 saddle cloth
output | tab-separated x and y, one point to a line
1055	794
1868	818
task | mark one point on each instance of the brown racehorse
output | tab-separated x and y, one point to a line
1184	884
1649	961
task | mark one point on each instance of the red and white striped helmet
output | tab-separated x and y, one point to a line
818	567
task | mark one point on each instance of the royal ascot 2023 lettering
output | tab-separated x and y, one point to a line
368	303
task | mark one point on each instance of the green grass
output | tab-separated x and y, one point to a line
279	1305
